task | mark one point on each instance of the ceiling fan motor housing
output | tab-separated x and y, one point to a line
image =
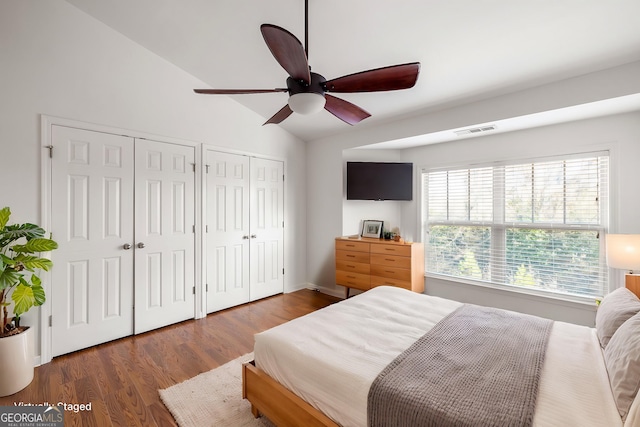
317	85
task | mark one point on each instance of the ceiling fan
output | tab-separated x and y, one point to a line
308	90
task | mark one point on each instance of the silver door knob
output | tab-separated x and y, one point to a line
253	236
245	237
140	245
126	246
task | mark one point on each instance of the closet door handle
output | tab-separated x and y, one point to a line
253	236
245	237
126	246
140	245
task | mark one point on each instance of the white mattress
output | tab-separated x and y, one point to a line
330	358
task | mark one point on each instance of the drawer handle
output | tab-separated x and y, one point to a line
351	256
350	246
351	277
390	249
392	272
388	259
351	266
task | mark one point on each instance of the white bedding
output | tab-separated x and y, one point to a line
330	358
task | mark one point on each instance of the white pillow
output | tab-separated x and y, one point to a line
622	358
616	308
633	418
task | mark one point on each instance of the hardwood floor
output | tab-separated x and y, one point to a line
121	378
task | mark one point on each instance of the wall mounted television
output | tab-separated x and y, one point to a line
379	181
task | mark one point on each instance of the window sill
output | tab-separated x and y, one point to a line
565	300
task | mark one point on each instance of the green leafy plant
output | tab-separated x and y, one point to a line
20	245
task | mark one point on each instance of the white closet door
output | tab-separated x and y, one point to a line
92	221
164	234
267	228
227	238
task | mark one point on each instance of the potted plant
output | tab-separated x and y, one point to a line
20	290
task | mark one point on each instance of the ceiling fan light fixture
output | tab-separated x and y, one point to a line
306	103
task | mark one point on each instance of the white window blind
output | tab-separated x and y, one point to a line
533	224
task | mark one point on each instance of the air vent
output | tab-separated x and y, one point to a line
479	129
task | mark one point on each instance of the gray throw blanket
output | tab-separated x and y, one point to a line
477	367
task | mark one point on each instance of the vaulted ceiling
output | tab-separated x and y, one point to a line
468	49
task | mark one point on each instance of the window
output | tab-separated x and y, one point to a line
532	225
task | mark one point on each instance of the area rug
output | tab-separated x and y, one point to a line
212	398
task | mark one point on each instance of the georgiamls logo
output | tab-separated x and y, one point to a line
31	415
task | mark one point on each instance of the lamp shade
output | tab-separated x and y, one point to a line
623	251
306	103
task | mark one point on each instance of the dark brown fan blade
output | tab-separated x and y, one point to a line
280	115
344	110
395	77
237	91
287	50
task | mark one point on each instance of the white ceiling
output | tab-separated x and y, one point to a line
469	49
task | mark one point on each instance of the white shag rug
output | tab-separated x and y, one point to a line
212	398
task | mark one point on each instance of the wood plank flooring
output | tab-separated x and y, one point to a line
121	378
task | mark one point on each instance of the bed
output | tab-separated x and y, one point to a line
318	369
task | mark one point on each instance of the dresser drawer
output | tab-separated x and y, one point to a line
391	272
353	267
352	245
402	250
352	256
385	281
391	260
353	280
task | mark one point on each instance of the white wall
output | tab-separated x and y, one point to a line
325	159
58	61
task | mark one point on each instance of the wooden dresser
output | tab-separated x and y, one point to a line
365	263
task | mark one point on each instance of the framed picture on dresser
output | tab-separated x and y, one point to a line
372	228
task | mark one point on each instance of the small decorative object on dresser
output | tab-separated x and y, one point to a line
395	233
372	228
365	263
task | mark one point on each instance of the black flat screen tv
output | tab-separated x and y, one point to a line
379	181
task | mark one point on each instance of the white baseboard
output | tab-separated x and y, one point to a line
298	287
338	292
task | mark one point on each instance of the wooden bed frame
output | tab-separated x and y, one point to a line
271	399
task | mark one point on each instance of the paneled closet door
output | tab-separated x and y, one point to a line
92	221
227	238
164	234
267	228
